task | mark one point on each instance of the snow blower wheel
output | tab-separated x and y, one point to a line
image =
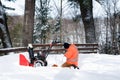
38	63
40	58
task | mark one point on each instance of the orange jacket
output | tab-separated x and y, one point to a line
72	55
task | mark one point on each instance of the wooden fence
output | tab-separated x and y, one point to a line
83	48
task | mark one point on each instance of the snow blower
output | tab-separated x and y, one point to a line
39	59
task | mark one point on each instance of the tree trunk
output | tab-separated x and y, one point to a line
28	22
4	32
88	21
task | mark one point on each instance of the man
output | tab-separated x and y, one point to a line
71	56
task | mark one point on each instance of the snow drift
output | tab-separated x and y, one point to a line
92	67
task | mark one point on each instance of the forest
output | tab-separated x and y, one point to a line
70	21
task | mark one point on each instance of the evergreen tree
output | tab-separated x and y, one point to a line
41	25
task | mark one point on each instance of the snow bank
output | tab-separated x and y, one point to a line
92	67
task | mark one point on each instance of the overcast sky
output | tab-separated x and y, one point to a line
19	8
18	5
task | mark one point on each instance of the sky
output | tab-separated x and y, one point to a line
92	67
19	8
18	5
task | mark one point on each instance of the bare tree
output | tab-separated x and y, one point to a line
112	23
87	18
28	22
4	32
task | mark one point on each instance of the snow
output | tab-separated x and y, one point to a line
98	11
92	67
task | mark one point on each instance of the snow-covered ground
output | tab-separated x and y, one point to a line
92	67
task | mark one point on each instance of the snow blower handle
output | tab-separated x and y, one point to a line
49	48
